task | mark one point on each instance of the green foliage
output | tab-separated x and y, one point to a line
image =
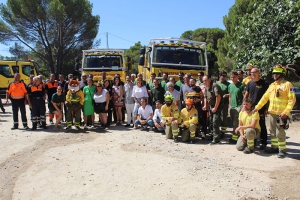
227	46
270	35
55	31
134	53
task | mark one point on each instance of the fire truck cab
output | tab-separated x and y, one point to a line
173	55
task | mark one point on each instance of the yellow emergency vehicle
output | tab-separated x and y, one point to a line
111	61
8	68
173	55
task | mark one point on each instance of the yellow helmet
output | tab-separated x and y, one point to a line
168	97
279	69
249	66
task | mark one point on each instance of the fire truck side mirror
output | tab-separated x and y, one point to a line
141	59
142	50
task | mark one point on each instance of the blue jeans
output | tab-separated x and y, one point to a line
159	128
149	123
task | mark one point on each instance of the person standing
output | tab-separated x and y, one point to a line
118	92
37	103
17	94
248	78
170	117
50	89
240	75
101	97
129	102
185	88
88	110
139	92
174	93
255	89
282	98
107	86
248	128
180	82
176	87
236	92
157	93
223	83
200	79
165	80
213	97
57	106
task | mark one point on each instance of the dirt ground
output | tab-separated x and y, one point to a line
122	163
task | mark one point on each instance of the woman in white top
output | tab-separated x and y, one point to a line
139	91
101	98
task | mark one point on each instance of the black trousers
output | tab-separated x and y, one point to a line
16	105
263	133
38	111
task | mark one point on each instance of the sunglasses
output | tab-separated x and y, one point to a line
99	85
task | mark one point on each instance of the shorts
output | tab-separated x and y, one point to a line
100	108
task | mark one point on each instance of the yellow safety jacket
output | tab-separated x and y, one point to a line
246	80
76	97
281	96
189	117
169	112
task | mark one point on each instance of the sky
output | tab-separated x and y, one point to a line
128	22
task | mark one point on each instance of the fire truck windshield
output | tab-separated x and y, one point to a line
104	61
176	55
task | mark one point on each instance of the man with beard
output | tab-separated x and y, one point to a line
248	128
180	82
170	116
282	98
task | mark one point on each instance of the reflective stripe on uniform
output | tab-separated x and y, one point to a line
274	142
250	143
282	145
235	137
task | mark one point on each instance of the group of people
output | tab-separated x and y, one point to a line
188	107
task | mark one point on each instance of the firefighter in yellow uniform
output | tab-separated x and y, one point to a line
74	102
170	114
281	97
189	121
248	78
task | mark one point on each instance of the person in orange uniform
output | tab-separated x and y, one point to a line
17	94
37	98
51	88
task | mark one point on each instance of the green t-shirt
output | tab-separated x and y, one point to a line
179	83
58	99
236	94
89	93
224	87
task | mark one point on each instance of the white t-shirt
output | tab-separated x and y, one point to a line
145	113
139	92
100	98
157	114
